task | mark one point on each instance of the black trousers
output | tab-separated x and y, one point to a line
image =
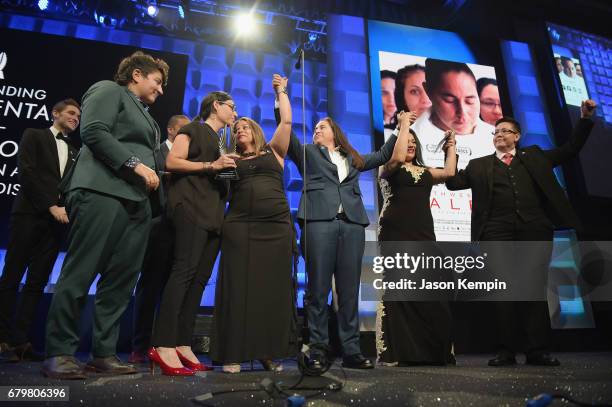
195	252
34	242
523	325
155	271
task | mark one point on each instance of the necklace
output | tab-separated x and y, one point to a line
248	154
415	171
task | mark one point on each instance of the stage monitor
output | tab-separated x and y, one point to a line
465	97
583	63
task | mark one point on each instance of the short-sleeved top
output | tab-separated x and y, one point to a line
202	197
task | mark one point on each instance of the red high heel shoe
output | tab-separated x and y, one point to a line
155	359
196	367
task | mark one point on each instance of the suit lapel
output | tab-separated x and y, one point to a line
155	142
52	148
325	153
490	165
72	153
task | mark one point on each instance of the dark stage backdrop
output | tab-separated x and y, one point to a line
37	70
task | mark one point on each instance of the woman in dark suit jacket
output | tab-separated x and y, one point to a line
333	221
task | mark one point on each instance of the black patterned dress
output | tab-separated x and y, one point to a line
410	332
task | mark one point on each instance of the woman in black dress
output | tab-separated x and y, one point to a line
254	314
196	202
409	332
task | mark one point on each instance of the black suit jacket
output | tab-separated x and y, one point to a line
39	172
478	175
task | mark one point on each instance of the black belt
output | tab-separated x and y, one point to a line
342	216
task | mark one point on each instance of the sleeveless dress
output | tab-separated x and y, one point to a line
410	332
255	315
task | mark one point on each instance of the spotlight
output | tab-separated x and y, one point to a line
43	4
244	24
152	11
312	37
181	11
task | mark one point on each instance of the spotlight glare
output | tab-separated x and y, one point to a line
181	11
43	4
152	11
244	24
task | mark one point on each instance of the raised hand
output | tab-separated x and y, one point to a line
587	108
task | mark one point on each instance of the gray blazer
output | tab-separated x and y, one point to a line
323	192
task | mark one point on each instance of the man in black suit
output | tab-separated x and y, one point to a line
516	197
158	258
37	225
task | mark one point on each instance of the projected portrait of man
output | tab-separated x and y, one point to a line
451	86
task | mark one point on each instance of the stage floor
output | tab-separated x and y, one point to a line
584	376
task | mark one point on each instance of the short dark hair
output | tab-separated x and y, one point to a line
206	107
565	60
62	104
144	63
483	83
174	119
435	68
400	80
512	121
385	73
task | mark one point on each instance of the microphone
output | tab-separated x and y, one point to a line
300	53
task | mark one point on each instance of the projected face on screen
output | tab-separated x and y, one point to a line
455	104
413	97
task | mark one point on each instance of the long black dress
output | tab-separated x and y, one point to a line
254	315
410	332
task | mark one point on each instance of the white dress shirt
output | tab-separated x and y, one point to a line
62	150
342	164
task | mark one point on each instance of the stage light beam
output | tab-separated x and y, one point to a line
152	10
244	24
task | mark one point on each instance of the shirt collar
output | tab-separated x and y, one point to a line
499	154
56	131
144	105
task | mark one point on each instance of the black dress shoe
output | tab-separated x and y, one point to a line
503	359
63	367
25	352
357	361
542	359
110	365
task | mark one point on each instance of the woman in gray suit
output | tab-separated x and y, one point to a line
333	221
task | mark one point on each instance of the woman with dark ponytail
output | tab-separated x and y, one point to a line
196	202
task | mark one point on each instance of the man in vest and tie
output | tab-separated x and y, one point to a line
516	197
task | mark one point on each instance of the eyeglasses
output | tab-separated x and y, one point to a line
231	106
490	104
503	132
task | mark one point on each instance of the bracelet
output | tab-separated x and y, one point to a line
207	166
282	90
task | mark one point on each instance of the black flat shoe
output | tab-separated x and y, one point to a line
503	360
542	359
271	366
25	351
357	361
